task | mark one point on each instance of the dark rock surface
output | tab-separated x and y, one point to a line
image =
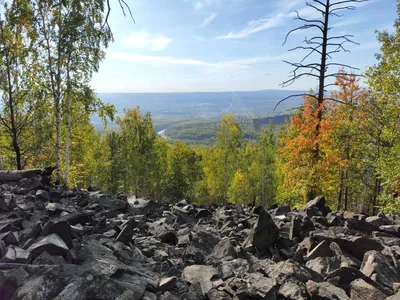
84	244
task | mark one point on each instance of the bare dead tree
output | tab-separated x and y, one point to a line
324	46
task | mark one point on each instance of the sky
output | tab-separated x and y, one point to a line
225	45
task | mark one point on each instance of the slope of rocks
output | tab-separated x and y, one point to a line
82	244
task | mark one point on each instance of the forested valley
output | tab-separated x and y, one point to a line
347	150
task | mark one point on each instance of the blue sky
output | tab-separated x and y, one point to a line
223	45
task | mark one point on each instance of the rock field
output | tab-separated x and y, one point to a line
83	244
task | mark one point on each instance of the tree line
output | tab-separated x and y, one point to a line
347	149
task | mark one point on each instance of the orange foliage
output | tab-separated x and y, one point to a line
310	159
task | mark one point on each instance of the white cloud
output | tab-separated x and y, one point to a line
160	59
366	46
255	26
198	5
284	11
145	40
349	22
228	64
208	20
199	38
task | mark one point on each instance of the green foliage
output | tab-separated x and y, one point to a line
384	79
182	173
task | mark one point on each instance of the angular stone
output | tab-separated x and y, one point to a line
318	203
52	244
16	255
279	211
360	226
344	276
295	228
394	297
375	220
361	290
145	206
293	289
10	238
263	234
322	222
8	286
127	295
167	284
392	229
224	250
260	287
200	274
325	291
149	296
46	259
46	286
346	260
42	195
214	294
55	207
290	269
323	265
126	234
203	213
7	203
76	218
321	250
183	240
357	246
61	228
169	237
205	240
110	233
334	219
379	268
194	255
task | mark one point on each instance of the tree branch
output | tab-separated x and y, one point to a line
306	20
316	8
301	28
291	96
347	1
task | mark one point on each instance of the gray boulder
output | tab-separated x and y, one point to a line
263	234
379	268
325	291
52	244
361	290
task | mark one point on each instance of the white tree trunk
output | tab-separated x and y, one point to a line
68	134
58	138
67	142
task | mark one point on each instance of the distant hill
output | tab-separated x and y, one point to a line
189	106
203	132
194	117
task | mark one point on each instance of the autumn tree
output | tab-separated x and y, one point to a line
384	79
316	63
348	136
72	37
300	175
19	84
